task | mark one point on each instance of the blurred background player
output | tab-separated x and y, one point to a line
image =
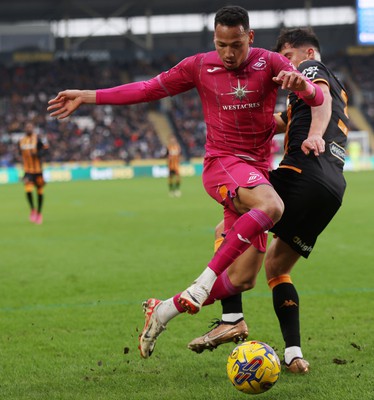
173	157
32	148
311	185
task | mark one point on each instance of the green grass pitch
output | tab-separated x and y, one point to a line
71	292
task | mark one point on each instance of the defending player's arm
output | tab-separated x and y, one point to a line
320	119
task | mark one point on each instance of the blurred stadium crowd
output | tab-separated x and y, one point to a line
120	133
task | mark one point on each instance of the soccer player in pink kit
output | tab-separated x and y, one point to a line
237	85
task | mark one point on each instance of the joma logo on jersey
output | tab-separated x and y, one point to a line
311	72
260	64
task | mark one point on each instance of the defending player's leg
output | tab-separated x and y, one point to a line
240	276
279	262
222	332
231	328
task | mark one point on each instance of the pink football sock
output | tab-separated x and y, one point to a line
221	289
241	235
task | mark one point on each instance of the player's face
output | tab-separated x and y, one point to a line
232	44
29	128
297	55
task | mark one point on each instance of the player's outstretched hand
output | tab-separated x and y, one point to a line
313	143
65	103
291	80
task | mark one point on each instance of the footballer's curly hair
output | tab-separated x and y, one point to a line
297	37
232	16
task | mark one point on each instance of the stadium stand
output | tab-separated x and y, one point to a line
122	133
103	133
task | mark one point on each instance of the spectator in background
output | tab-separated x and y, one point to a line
32	149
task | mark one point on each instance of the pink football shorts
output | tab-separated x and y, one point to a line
222	176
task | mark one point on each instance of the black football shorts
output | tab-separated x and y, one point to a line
35	179
309	207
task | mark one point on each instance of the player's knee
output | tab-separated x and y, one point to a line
279	209
247	285
265	199
274	207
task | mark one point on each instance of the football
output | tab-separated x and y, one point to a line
253	367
